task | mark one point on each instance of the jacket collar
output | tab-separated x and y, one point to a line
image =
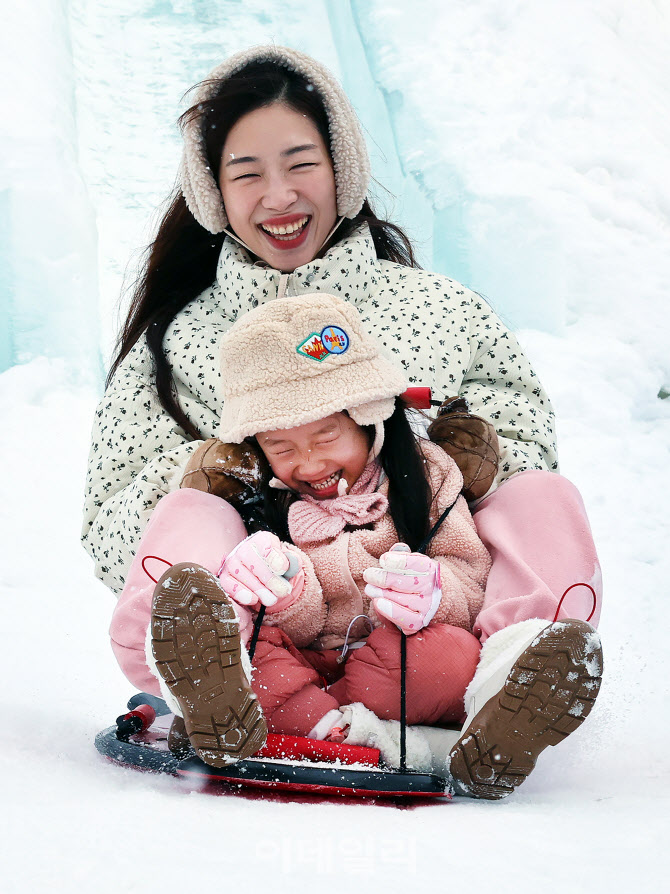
349	269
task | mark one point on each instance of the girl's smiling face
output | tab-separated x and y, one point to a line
311	458
278	185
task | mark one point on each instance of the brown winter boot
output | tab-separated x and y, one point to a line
515	712
196	646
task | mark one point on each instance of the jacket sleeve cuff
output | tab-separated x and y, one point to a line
175	475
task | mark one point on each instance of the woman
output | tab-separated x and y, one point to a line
272	202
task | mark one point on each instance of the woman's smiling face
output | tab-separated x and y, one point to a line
312	458
278	185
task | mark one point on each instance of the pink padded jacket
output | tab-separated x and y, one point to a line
334	587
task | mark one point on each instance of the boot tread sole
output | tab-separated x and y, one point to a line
195	641
548	693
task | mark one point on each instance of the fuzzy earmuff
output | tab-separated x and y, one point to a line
350	156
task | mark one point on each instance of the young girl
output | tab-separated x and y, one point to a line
351	480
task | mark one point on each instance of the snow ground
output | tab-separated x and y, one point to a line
551	171
592	816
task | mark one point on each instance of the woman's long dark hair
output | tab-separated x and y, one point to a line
181	262
409	493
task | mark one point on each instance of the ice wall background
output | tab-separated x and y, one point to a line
525	146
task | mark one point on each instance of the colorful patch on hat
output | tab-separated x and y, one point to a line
334	339
313	347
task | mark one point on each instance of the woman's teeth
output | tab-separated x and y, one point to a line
290	231
329	482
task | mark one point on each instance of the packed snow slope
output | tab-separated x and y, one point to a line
526	146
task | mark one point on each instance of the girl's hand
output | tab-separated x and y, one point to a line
256	572
405	588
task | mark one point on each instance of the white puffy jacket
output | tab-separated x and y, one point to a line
445	336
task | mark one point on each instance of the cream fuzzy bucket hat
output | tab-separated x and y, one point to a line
296	360
349	153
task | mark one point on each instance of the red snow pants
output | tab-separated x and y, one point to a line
291	683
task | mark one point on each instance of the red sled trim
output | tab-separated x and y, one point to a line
302	748
313	788
310	787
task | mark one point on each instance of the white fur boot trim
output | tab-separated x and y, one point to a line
498	655
365	728
440	741
170	700
244	654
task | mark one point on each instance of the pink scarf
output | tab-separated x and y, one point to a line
312	521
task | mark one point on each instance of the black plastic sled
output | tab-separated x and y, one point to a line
284	764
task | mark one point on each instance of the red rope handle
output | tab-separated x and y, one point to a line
593	593
158	558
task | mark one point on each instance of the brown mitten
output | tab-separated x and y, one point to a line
230	471
470	441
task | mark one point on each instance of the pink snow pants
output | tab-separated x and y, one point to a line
536	530
534	526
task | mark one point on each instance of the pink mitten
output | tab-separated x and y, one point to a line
405	588
256	572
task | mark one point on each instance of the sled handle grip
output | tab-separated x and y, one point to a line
420	397
135	721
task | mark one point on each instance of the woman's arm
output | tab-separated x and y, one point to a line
448	337
501	385
138	453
